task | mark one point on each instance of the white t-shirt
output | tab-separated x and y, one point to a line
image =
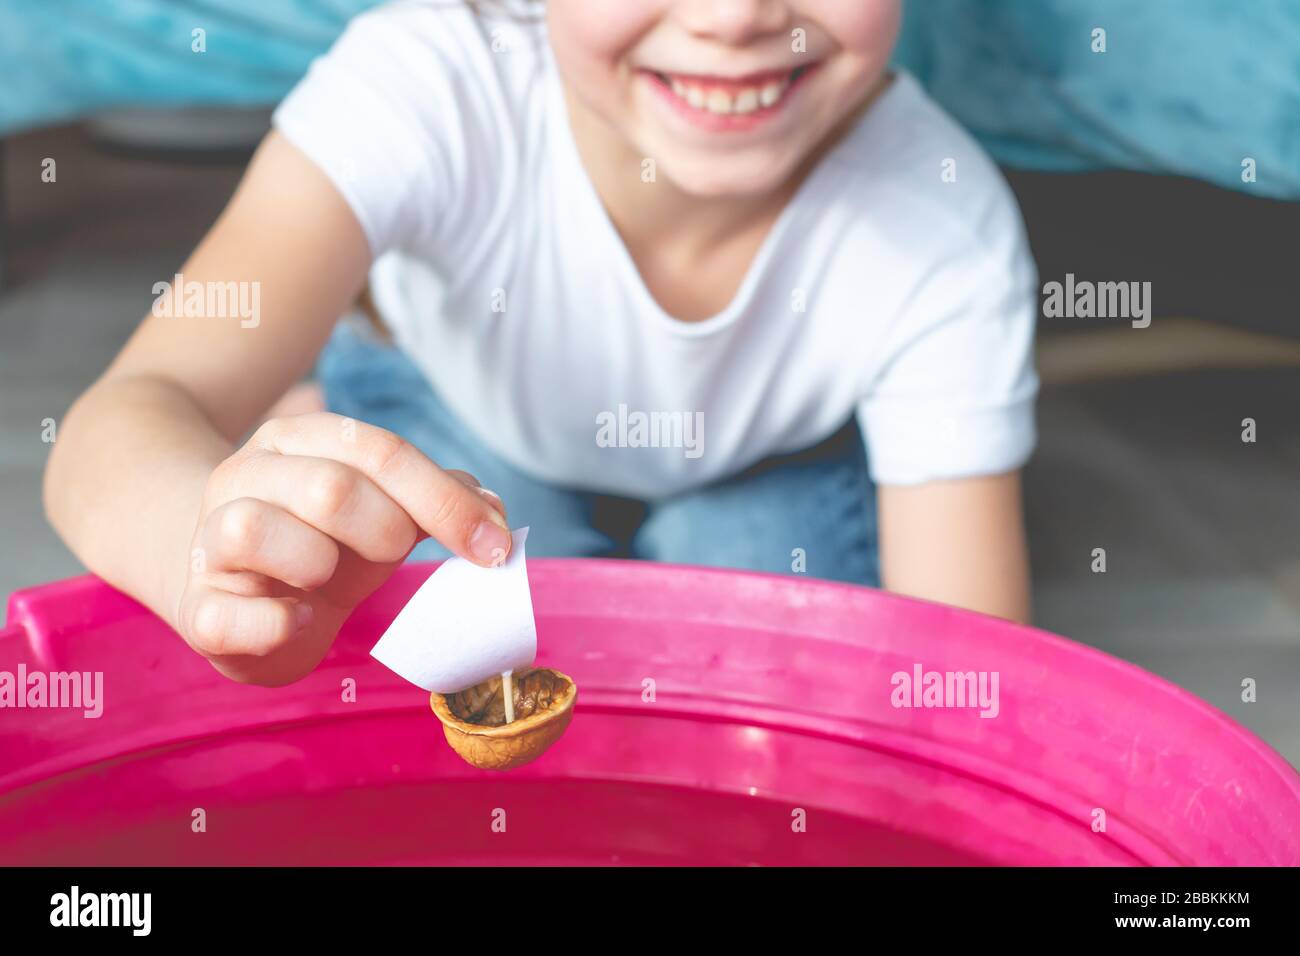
886	288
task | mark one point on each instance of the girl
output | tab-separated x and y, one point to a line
683	252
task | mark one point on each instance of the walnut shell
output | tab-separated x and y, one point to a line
473	720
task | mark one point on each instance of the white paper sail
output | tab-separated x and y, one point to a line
464	625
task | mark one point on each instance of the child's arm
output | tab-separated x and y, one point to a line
255	555
960	542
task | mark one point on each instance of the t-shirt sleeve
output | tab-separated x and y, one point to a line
956	397
389	115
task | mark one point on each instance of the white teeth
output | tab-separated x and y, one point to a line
722	103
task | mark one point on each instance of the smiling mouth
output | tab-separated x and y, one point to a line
742	96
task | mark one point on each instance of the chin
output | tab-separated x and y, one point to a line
720	176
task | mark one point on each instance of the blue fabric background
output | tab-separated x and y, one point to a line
1186	86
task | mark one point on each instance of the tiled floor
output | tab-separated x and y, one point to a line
1201	531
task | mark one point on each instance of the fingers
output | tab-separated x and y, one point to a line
249	534
462	518
337	500
318	504
464	477
492	497
220	624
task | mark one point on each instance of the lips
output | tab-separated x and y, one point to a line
749	96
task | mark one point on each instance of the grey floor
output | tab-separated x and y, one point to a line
1201	531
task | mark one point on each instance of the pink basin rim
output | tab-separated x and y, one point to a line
770	691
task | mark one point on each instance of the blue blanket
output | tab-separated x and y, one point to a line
1192	87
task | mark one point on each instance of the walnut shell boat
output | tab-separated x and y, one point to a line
473	720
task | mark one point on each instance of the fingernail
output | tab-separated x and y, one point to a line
302	615
489	491
489	544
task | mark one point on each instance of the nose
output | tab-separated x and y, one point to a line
733	22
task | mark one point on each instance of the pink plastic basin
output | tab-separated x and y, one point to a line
770	737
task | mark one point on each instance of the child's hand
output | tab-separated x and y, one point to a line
301	524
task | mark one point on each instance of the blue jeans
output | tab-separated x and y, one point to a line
811	512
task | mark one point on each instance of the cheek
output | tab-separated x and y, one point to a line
589	38
867	28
